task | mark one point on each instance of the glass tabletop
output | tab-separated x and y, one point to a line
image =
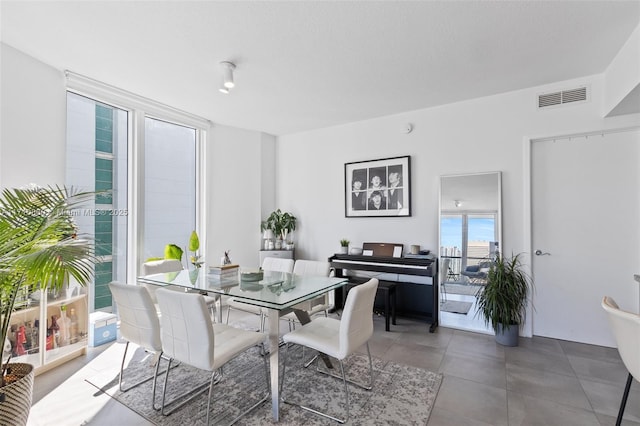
277	290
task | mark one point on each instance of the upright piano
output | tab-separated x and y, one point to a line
416	296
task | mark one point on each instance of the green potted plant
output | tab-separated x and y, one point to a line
39	249
281	224
344	246
504	298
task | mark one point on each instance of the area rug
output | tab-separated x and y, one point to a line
455	307
463	289
401	394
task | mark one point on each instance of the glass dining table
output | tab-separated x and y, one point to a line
278	292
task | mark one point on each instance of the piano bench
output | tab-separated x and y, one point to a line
388	291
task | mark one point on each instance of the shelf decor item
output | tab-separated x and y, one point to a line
39	249
503	300
378	188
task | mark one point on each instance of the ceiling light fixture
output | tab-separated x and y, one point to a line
227	72
457	203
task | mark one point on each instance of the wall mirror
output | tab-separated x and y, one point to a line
470	236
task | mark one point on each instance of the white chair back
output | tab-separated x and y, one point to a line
320	269
138	318
187	332
160	266
626	330
311	267
356	323
277	264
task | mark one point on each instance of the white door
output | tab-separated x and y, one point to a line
586	216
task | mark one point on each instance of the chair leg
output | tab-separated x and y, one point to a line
193	393
346	392
623	403
360	385
264	399
124	356
343	376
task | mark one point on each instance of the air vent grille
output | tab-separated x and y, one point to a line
564	97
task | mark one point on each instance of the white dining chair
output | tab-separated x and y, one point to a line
626	330
273	264
139	325
167	266
318	304
339	338
190	338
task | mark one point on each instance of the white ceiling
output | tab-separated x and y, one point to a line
307	65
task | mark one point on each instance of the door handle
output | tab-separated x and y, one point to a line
540	253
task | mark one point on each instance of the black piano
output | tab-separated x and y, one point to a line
413	299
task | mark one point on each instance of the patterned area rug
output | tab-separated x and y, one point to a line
401	394
455	307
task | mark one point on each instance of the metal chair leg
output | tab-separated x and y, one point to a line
623	403
360	385
344	381
158	357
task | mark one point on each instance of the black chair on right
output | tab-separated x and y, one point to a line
626	330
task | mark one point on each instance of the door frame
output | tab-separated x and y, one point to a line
527	249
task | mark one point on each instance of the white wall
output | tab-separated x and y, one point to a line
237	183
33	117
622	76
479	135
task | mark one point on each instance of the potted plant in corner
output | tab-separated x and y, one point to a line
281	224
39	249
504	298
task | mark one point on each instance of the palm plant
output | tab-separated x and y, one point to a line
503	301
39	245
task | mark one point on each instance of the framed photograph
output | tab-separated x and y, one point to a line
378	188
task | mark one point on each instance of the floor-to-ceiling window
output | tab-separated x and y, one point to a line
97	146
147	156
169	186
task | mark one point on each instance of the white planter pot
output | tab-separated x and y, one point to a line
344	250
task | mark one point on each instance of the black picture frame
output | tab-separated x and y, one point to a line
378	188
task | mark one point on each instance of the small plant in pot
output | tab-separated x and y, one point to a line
344	246
504	298
39	249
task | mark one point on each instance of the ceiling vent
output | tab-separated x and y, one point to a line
564	97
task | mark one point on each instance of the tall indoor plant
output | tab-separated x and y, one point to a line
503	300
39	249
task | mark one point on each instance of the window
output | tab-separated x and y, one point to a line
169	186
155	200
97	146
467	239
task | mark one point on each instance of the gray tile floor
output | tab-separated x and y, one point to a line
541	382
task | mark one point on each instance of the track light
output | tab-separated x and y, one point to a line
458	203
227	72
